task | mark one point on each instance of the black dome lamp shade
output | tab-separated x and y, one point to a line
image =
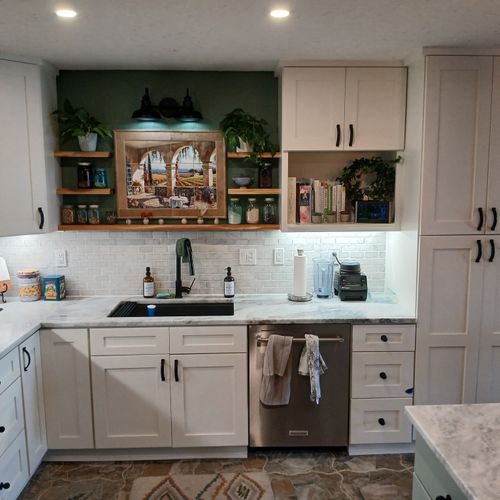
187	113
146	112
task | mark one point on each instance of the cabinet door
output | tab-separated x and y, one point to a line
131	401
66	387
488	388
209	400
313	109
493	201
456	140
375	109
448	321
14	469
34	410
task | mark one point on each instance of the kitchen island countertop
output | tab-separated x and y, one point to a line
19	320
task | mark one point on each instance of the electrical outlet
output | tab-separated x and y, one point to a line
279	256
60	258
248	256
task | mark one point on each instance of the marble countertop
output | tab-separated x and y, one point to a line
466	440
19	320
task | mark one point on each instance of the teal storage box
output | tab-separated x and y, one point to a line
53	287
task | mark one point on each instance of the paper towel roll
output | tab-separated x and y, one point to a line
299	274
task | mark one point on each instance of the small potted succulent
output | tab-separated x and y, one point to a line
330	216
317	218
77	122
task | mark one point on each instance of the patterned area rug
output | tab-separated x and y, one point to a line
247	486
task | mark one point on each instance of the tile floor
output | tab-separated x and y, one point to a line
301	475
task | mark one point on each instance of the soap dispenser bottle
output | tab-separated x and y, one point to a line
229	284
148	285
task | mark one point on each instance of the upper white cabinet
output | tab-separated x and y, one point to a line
29	176
355	109
461	163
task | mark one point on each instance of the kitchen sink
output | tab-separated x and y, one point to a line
130	309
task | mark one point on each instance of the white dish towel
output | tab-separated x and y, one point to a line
312	364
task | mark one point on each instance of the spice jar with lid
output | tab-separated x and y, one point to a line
81	214
85	177
68	214
265	176
235	212
252	213
93	214
269	211
100	178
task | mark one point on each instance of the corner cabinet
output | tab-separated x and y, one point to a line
29	178
343	109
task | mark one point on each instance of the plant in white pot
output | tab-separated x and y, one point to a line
77	122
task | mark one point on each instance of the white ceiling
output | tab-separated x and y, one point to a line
238	34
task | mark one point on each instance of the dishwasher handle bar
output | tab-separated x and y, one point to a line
264	340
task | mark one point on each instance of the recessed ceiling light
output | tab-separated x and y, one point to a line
280	13
66	13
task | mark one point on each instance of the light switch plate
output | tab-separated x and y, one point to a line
60	258
248	257
279	256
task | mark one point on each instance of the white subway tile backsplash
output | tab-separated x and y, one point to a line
105	263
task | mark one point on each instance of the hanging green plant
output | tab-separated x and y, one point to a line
382	175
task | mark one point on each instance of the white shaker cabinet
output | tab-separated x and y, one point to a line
29	178
66	384
34	409
14	472
345	109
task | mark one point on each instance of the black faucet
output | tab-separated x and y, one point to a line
184	253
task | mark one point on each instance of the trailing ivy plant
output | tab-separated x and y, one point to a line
383	184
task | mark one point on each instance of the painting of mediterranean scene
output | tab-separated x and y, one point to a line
172	177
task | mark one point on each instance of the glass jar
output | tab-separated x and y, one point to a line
252	213
93	214
85	177
68	214
30	285
235	212
81	214
269	211
265	176
100	178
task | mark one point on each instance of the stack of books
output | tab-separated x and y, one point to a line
308	197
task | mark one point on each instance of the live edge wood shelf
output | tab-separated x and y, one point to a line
257	191
77	191
169	227
246	155
83	154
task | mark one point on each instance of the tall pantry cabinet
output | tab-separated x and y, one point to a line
458	333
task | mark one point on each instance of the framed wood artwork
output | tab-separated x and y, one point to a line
170	174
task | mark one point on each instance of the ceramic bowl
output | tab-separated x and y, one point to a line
243	182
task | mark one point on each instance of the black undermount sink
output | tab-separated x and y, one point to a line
140	310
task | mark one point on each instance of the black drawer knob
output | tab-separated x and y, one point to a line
4	486
383	375
384	338
2	429
381	421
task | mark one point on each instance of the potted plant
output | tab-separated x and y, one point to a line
246	133
77	122
317	218
330	216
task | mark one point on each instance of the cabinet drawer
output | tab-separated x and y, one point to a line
383	338
119	341
9	369
208	339
380	421
14	469
382	374
11	414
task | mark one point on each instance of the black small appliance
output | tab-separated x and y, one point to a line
349	283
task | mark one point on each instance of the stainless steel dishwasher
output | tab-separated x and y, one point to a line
302	422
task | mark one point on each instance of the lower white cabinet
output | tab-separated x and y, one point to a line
11	414
14	472
66	387
209	400
131	396
34	409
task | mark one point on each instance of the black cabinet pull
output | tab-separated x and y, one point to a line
479	250
481	219
381	421
4	486
162	370
26	353
492	251
351	134
384	338
42	218
495	218
2	429
176	370
383	375
337	142
441	497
